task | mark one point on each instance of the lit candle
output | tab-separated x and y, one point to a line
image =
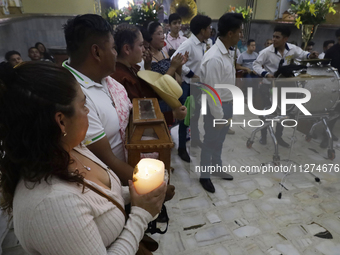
148	175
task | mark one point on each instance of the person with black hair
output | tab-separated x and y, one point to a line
34	54
309	47
130	49
92	59
267	63
332	53
218	68
213	35
13	57
44	55
173	39
200	27
63	199
268	42
246	59
161	62
326	46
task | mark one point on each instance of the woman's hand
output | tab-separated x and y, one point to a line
170	192
147	57
180	112
152	201
176	61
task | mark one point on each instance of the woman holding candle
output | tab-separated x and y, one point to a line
56	190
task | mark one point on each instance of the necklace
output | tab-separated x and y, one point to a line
86	167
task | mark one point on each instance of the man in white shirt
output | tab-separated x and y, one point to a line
174	39
326	45
218	68
267	63
196	46
92	58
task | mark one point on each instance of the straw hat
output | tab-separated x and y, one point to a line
164	85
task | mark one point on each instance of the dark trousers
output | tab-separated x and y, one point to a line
214	139
182	130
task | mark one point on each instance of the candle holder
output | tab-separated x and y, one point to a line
147	118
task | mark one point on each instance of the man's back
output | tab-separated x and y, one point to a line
334	54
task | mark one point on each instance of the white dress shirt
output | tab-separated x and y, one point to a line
218	68
269	58
196	51
322	55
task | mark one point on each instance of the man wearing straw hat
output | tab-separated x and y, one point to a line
218	68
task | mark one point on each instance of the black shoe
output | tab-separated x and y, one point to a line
183	154
223	175
207	185
281	142
197	143
263	140
324	143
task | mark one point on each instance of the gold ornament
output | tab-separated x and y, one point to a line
187	9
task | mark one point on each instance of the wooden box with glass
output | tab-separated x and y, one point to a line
147	133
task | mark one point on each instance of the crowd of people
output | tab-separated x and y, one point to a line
35	53
64	173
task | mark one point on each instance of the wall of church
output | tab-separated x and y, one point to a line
58	6
216	8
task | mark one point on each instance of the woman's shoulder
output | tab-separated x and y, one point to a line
123	74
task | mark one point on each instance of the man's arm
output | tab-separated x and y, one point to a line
212	72
102	150
183	48
301	54
258	63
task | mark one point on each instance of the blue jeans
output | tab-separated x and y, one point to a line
214	139
182	129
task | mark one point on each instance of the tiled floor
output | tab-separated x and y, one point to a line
245	216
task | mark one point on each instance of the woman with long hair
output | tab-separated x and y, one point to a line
44	55
62	198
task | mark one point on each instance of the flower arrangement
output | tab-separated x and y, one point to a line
116	17
311	13
246	12
136	14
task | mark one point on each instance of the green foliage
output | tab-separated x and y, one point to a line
311	13
135	14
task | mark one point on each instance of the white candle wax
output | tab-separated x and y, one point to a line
148	175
